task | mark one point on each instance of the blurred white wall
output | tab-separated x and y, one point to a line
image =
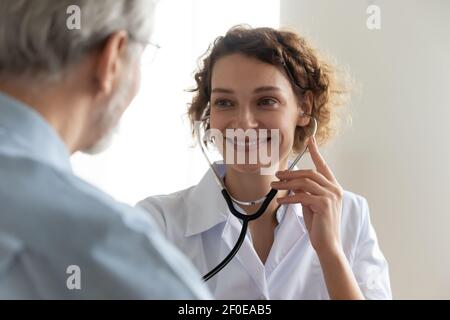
396	153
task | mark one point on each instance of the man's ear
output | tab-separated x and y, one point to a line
110	61
305	107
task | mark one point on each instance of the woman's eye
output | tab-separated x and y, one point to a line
267	102
223	103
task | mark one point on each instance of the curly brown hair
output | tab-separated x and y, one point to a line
306	70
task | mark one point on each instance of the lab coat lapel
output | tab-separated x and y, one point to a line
291	230
247	255
205	206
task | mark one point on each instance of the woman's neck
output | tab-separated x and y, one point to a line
251	186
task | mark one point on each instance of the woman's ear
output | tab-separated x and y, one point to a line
305	107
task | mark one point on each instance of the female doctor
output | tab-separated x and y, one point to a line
314	241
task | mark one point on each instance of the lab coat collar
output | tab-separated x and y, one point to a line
296	208
206	206
291	228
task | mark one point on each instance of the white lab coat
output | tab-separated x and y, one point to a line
198	222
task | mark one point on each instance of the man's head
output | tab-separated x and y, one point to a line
90	56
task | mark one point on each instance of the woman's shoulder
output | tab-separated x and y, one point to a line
355	216
174	199
353	204
167	208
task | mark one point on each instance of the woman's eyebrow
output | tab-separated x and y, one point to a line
266	88
257	90
222	90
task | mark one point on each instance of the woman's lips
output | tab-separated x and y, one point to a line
248	144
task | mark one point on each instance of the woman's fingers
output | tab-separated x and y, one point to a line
315	203
298	174
323	176
304	184
319	161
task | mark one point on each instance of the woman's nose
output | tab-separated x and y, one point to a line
246	119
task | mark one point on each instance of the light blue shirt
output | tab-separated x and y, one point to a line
61	238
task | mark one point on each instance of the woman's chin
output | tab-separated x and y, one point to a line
247	168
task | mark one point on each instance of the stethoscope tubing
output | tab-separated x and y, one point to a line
245	218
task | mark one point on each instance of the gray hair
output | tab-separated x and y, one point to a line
35	39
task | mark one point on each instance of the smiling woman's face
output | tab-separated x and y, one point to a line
247	93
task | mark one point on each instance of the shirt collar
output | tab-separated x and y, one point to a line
30	135
207	208
295	208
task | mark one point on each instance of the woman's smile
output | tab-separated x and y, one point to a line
248	143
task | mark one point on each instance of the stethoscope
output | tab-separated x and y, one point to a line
265	201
